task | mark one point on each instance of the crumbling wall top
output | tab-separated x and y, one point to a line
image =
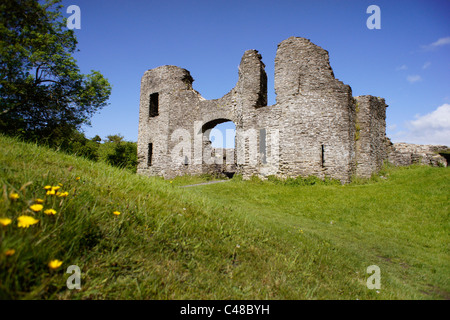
165	77
302	67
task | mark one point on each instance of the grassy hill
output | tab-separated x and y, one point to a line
232	240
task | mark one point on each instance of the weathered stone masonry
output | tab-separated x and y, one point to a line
315	128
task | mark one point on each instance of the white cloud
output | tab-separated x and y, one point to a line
431	128
438	43
402	67
426	65
413	78
441	42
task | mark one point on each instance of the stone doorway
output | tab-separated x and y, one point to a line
219	147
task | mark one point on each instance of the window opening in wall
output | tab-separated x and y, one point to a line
154	102
262	145
322	156
150	154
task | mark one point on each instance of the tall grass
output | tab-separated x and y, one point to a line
234	240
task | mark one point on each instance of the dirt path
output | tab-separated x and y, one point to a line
203	183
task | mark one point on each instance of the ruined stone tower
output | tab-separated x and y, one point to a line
315	128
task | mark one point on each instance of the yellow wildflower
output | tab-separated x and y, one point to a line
77	178
50	212
47	187
51	192
9	252
54	264
39	200
62	194
14	196
116	213
36	207
5	221
55	188
26	221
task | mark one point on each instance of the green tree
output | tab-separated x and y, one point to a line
118	152
124	155
116	138
79	145
43	95
97	139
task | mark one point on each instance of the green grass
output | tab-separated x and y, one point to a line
190	180
233	240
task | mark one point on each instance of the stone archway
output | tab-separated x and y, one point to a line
218	159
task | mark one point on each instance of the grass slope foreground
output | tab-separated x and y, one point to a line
133	237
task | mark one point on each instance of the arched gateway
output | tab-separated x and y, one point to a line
315	128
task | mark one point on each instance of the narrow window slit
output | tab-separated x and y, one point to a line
154	103
322	157
150	154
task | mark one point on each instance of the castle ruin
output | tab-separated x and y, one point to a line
316	127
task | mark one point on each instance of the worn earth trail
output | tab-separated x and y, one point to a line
203	183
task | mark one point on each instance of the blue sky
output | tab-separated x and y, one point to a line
407	61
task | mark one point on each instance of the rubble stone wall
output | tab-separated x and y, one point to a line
405	154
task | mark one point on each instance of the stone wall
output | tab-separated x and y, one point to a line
317	113
370	134
315	128
405	154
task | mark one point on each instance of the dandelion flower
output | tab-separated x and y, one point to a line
56	188
54	264
116	213
9	252
39	200
26	221
62	194
77	178
36	207
47	187
50	212
14	196
51	192
5	221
